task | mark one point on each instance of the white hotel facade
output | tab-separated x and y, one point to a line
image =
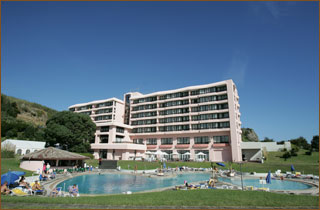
191	120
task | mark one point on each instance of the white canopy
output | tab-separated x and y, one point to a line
200	153
187	153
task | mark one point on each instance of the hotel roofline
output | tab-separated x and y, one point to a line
181	89
97	101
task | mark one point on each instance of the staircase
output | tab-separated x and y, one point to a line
108	164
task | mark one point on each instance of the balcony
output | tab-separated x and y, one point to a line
182	146
200	145
220	145
124	146
165	146
151	146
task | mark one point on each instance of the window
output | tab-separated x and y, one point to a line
174	95
220	139
145	130
169	156
84	107
174	111
104	117
119	139
215	125
205	152
201	140
144	114
184	154
138	141
210	116
87	113
19	151
209	107
209	90
28	151
183	140
174	103
174	119
104	111
110	103
152	141
144	122
174	128
104	129
120	130
143	100
144	107
72	109
104	139
166	141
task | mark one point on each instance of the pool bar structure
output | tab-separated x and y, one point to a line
200	123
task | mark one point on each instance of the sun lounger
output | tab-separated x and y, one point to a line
249	188
19	192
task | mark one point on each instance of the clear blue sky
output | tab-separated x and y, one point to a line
62	53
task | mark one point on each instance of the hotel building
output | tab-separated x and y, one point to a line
183	123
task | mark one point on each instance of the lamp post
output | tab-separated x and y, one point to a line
241	175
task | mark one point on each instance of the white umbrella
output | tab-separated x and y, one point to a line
200	153
187	153
148	153
164	153
158	152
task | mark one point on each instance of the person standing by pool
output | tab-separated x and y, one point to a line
100	162
48	167
44	168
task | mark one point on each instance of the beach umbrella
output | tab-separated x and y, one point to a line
9	177
187	153
292	168
158	152
221	164
200	153
268	178
19	173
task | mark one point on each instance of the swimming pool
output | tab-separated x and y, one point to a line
118	183
275	184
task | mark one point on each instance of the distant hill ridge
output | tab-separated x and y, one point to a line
29	112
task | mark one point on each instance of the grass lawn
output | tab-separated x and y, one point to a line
12	164
218	198
307	164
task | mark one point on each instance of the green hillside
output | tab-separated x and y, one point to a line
21	119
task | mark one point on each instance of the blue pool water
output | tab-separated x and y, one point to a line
274	185
118	183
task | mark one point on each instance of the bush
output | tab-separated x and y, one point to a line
309	152
7	154
87	155
286	155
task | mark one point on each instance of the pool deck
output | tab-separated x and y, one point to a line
51	184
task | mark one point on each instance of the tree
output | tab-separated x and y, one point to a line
248	134
73	131
300	142
266	139
315	143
